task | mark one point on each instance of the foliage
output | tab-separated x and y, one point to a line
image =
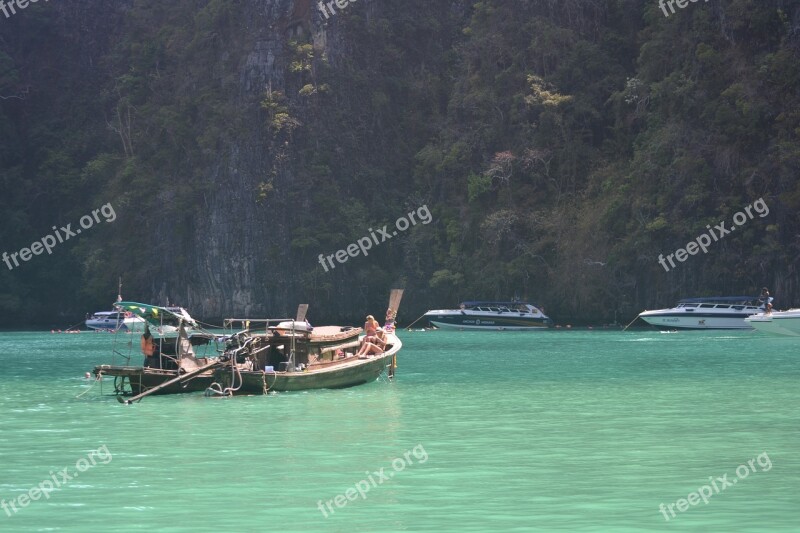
561	147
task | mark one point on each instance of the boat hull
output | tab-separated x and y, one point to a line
344	376
336	374
136	379
699	322
785	323
469	321
132	324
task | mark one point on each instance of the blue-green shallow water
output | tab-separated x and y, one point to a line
570	431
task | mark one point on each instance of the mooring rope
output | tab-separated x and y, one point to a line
98	378
417	320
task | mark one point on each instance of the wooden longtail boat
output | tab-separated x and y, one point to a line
287	355
289	363
292	359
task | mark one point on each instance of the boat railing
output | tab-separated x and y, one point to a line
244	323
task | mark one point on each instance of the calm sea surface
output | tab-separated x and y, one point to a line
495	431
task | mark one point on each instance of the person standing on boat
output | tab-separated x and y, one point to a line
148	348
766	301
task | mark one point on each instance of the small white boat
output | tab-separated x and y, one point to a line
716	312
114	321
777	322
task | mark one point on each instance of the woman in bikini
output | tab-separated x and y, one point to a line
371	344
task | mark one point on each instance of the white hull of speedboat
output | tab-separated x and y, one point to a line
485	325
133	324
786	323
670	321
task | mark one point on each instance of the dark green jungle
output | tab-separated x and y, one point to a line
560	147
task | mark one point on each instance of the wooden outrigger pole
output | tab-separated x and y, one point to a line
182	377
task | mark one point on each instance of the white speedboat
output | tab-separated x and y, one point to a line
114	320
777	322
491	316
715	312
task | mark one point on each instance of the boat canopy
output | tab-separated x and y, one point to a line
493	304
719	300
156	315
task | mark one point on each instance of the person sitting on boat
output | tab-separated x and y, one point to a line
380	336
369	349
370	329
390	320
377	343
373	347
370	344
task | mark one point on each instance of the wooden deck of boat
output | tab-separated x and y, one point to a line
333	333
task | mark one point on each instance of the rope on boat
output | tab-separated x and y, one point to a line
73	326
216	388
98	378
632	321
213	326
417	320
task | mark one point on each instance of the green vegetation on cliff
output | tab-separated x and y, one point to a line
561	147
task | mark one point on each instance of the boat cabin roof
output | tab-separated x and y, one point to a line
481	303
719	300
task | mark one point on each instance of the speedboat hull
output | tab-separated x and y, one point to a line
467	319
786	323
690	321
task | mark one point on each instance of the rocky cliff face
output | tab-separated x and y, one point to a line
241	262
240	265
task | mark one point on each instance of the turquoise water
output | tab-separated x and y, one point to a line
494	431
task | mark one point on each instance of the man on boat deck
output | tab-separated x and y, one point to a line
148	348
